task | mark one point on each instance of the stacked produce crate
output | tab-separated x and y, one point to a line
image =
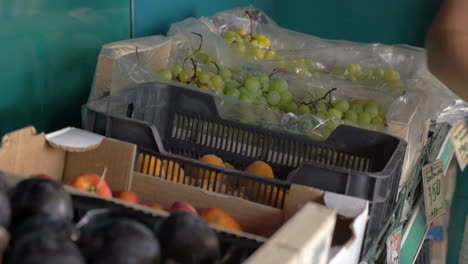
264	145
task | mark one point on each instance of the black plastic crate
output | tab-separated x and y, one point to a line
210	177
274	193
234	249
172	119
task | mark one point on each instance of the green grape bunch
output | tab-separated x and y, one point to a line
354	72
274	95
250	45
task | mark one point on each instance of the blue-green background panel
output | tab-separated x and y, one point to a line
458	215
49	48
49	52
390	22
154	17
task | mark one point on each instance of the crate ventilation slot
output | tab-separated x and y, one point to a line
217	135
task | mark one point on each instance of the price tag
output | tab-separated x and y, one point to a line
459	135
393	246
432	175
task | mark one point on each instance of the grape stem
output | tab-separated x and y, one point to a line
137	55
194	63
313	104
329	96
277	70
195	51
324	97
252	21
216	65
201	41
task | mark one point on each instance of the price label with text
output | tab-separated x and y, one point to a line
393	246
459	135
434	197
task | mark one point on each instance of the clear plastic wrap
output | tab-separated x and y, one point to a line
124	64
326	55
137	61
454	113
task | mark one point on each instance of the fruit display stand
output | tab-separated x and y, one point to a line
123	65
21	149
407	123
173	127
87	205
414	219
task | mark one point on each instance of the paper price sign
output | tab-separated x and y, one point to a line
459	135
433	192
393	246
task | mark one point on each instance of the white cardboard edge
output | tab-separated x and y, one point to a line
350	207
350	254
74	138
347	206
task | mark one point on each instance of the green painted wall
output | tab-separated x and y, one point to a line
49	50
154	17
390	22
458	214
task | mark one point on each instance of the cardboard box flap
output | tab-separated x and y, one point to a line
299	196
74	139
26	153
305	238
347	206
349	232
349	209
293	234
116	156
155	189
350	223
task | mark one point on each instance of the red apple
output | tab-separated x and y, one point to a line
127	196
43	176
154	205
183	206
90	182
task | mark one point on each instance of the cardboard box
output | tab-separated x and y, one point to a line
67	153
303	230
306	233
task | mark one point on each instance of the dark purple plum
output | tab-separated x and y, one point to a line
36	196
120	241
44	247
44	223
185	238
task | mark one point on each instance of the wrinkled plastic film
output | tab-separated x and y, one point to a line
131	62
124	64
407	60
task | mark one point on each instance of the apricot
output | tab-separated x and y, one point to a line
217	217
229	166
167	169
260	168
154	205
127	196
213	160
